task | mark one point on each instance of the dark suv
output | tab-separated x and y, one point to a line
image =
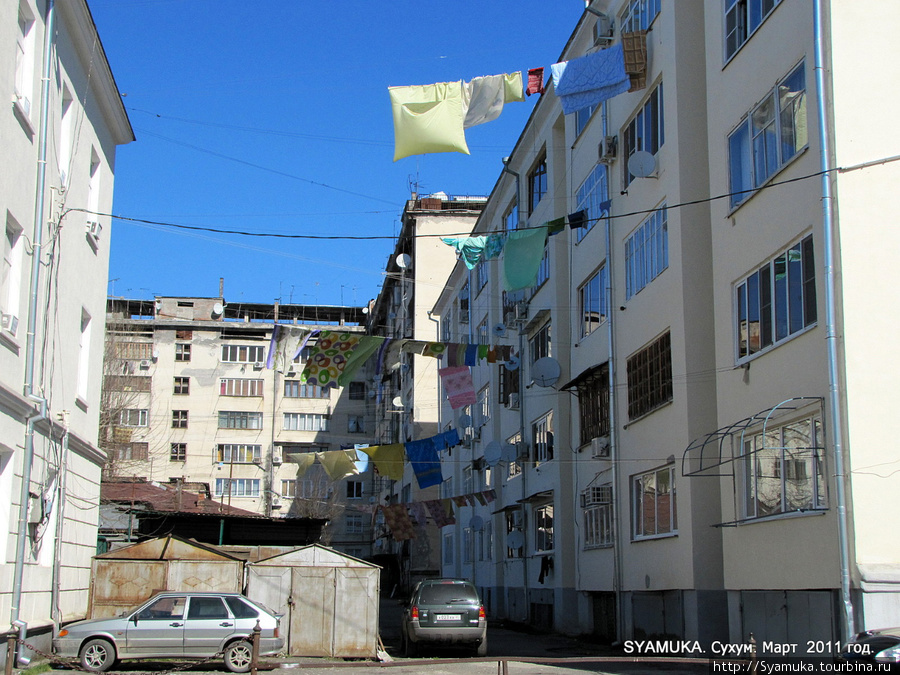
444	611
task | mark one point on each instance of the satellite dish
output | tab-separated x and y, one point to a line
365	310
398	402
476	522
545	372
465	420
641	164
403	260
515	539
218	309
513	363
492	453
370	393
509	453
499	329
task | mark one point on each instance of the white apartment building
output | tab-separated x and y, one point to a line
678	478
63	122
407	394
190	399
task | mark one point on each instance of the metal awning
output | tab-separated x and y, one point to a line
536	497
586	376
706	455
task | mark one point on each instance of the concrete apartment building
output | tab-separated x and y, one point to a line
406	397
190	400
63	122
680	476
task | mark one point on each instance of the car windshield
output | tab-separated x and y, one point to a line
446	594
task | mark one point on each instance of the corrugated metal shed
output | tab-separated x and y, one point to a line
329	600
127	576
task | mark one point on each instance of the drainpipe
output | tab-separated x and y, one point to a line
28	454
55	614
831	339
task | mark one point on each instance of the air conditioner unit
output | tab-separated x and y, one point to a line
9	323
93	228
276	455
276	501
512	403
603	31
596	495
258	365
23	102
145	364
607	149
600	447
523	450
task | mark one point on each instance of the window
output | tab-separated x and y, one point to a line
24	59
128	382
239	419
598	522
297	389
513	525
777	301
542	438
134	351
93	196
305	422
481	276
356	424
406	494
592	302
484	404
131	452
448	549
543	528
291	453
238	453
582	117
468	544
468	480
240	387
177	452
207	608
179	419
182	386
353	522
769	136
593	404
289	488
783	469
243	354
357	391
354	489
537	183
184	334
742	18
645	131
653	508
543	270
639	14
464	303
66	123
84	356
513	467
446	322
241	609
511	216
182	351
133	417
647	252
650	377
508	385
237	487
539	343
11	268
593	197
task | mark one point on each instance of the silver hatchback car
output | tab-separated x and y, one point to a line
174	625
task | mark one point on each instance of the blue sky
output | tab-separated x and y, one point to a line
275	117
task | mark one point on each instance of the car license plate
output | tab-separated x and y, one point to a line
446	617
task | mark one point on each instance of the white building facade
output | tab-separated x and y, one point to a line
63	122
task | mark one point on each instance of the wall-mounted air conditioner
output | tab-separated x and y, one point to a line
603	31
9	323
276	501
607	149
596	495
145	364
276	455
258	365
512	403
93	228
600	447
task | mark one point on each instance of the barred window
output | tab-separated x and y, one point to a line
593	403
240	387
650	377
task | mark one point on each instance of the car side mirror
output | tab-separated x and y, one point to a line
134	618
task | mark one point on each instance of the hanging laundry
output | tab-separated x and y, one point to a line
483	99
591	79
634	50
471	358
458	385
460	501
434	349
285	346
389	459
522	257
446	440
303	460
490	495
438	513
546	567
474	250
480	497
426	464
428	118
337	463
336	356
578	219
556	226
514	90
417	512
397	519
535	81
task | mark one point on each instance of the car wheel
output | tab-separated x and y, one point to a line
410	648
482	647
97	655
238	656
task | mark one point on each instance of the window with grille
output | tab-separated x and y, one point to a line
650	377
539	343
238	419
598	525
593	404
134	351
240	387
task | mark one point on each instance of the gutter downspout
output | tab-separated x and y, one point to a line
831	338
28	455
55	614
